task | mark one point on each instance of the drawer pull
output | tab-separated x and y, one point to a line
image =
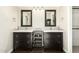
16	41
58	36
16	35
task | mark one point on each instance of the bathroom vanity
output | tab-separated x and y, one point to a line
38	40
28	40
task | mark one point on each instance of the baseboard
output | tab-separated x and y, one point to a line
10	51
65	51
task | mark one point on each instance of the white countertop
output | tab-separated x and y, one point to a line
37	30
53	30
23	31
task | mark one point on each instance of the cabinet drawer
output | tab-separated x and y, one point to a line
28	35
21	36
53	40
53	35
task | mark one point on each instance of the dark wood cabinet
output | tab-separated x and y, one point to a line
22	40
27	41
53	40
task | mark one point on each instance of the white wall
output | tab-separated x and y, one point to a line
69	18
7	24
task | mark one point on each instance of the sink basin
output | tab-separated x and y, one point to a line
53	30
23	30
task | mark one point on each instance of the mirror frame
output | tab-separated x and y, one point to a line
22	18
46	16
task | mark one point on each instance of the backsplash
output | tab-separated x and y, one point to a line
44	28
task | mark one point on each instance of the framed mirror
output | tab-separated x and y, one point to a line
26	18
50	17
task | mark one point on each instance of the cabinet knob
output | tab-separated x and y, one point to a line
59	42
58	36
28	42
16	41
47	41
16	35
28	36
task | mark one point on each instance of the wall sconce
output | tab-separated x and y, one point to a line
34	8
14	19
42	7
62	18
38	8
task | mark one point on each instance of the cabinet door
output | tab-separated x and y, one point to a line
19	40
58	38
22	40
28	40
53	40
48	40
